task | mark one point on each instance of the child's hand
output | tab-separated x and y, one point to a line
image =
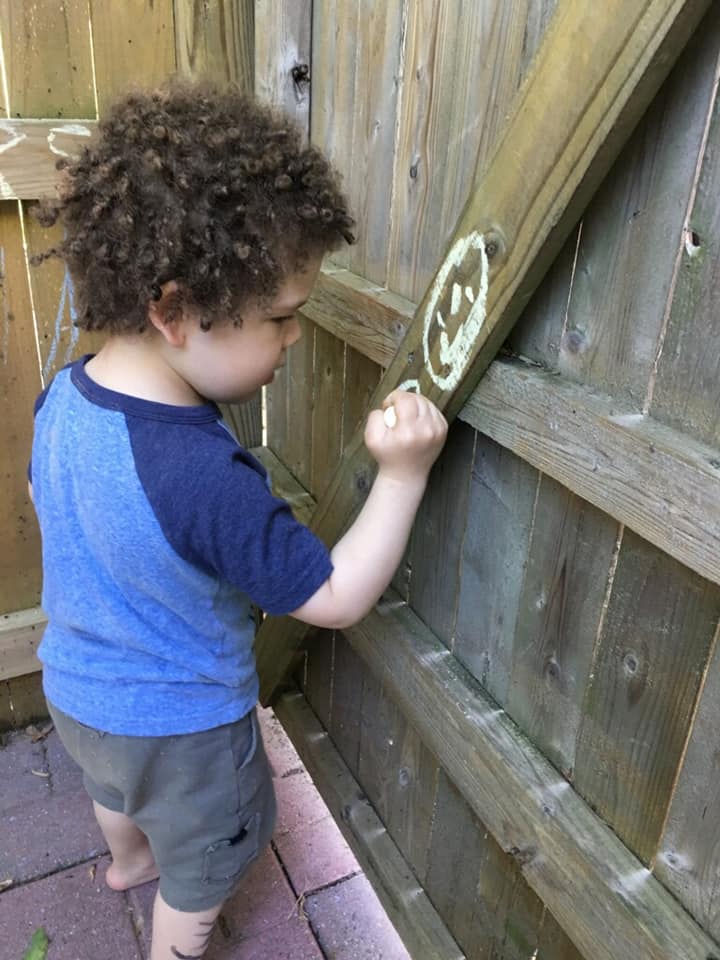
407	450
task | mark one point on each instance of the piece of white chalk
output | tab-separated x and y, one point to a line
390	417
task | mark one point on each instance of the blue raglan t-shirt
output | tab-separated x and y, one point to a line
159	532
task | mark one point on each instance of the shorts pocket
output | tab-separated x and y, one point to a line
225	860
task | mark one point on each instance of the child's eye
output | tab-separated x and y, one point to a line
282	319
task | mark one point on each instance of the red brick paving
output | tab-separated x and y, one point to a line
51	849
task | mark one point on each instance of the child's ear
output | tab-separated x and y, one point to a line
166	313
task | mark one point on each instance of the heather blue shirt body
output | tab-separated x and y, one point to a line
159	532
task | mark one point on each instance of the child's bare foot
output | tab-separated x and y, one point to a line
143	869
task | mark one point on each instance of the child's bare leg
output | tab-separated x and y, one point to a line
133	862
180	936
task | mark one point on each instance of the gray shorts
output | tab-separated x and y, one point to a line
205	800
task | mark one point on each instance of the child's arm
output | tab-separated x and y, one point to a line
366	557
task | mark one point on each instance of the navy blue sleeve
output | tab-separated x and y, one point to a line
215	509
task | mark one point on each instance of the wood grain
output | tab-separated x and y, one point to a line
499	522
602	56
593	885
407	905
570	553
659	482
134	44
20	383
20	636
48	59
215	38
688	860
657	635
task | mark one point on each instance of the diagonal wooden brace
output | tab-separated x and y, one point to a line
596	72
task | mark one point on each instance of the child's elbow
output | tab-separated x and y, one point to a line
328	610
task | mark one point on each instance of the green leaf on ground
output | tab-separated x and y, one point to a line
39	944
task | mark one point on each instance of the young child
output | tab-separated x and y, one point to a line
195	224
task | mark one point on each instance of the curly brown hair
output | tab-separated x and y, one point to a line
197	184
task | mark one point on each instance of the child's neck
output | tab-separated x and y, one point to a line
136	366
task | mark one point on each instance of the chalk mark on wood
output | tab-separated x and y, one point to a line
454	357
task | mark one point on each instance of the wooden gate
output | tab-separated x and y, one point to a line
519	742
61	63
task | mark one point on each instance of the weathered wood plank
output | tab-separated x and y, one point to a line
560	606
409	908
632	232
358	49
610	906
336	28
348	681
367	317
461	70
324	392
657	633
614	459
688	861
59	340
20	636
47	59
594	887
132	33
499	526
438	535
282	61
296	432
20	383
31	149
398	775
663	485
215	38
685	393
282	43
613	60
477	888
22	702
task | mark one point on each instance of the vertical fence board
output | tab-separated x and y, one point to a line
357	73
19	385
686	392
631	234
460	75
48	62
134	44
479	890
398	774
645	681
216	38
290	426
361	378
318	678
350	676
336	28
457	849
559	612
554	943
438	534
499	523
327	410
688	861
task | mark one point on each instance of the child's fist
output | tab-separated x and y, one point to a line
406	436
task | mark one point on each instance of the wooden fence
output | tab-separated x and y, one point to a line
62	63
520	741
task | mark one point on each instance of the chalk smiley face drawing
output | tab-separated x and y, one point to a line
453	355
